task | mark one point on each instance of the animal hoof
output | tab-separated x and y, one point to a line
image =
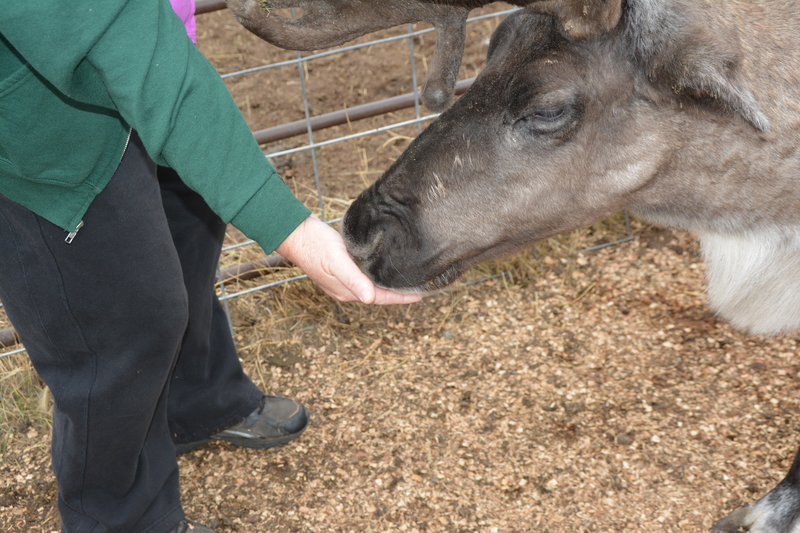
733	522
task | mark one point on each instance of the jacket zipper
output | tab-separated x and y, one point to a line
72	234
127	142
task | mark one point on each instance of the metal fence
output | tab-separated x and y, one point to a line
311	124
308	126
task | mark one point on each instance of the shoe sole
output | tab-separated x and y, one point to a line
189	446
243	442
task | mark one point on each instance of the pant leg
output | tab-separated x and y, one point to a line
102	320
209	391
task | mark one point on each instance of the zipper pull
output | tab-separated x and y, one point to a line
71	234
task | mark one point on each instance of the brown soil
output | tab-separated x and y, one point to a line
576	393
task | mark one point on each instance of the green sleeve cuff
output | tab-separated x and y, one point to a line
271	214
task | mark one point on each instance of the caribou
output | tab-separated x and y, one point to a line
685	111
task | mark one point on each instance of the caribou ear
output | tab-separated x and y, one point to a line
582	19
721	82
706	67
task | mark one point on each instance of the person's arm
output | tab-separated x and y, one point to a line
133	57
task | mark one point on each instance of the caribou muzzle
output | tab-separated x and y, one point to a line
370	228
383	237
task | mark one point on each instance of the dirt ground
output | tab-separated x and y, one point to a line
577	392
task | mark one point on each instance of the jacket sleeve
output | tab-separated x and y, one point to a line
134	58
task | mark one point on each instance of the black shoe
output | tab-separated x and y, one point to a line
276	421
187	526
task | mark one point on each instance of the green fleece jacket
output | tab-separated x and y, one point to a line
76	76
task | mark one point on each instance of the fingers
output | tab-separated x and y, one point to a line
351	280
363	290
361	287
387	297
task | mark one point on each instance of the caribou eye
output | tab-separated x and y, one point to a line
549	114
548	120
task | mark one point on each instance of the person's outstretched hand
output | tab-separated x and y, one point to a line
320	252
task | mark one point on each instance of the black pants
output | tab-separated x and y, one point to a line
124	327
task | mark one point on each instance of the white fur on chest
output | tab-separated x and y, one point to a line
754	279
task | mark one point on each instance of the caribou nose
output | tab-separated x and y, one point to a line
366	253
361	234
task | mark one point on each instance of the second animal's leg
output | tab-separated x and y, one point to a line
777	512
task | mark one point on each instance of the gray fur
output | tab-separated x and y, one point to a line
327	23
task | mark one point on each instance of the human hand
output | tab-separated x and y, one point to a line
320	252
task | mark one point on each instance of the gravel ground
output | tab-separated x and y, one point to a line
593	393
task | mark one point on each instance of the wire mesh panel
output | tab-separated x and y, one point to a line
330	121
